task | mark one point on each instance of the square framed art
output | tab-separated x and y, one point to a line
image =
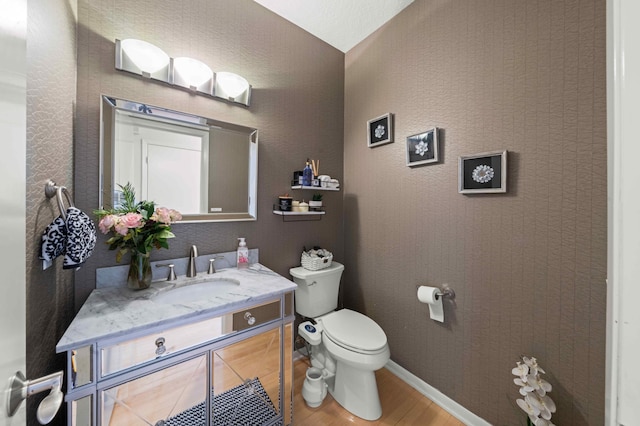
380	130
483	173
422	148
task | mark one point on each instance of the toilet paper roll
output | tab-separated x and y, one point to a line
430	296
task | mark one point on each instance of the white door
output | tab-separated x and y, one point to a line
172	174
13	133
623	316
165	162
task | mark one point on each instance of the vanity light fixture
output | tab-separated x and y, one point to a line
232	87
145	59
192	74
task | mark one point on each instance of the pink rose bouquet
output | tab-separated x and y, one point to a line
137	227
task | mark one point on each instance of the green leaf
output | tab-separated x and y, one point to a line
121	253
129	196
165	233
148	240
101	213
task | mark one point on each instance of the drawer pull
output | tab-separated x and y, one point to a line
160	348
250	318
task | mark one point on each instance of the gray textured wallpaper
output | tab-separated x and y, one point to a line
298	98
297	105
528	266
51	93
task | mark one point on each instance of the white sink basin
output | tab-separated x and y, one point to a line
200	291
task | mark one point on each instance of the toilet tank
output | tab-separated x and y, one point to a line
317	291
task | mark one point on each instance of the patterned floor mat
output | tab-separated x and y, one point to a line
244	405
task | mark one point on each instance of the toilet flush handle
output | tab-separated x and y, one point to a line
313	283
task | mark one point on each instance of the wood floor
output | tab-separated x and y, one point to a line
165	393
401	405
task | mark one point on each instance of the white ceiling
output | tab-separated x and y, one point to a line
340	23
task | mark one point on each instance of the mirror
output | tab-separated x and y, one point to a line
204	168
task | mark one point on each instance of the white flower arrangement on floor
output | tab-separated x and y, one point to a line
536	403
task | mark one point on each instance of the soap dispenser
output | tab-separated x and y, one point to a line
307	175
242	259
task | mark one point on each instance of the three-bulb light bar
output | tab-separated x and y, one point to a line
145	59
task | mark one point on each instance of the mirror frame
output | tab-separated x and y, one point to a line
111	104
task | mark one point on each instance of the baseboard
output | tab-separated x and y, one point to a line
446	403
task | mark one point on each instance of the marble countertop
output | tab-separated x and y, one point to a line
109	313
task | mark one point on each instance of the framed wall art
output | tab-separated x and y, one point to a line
423	148
380	130
483	173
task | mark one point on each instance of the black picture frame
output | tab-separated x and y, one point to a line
423	148
380	130
483	173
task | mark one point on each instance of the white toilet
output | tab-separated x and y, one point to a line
346	345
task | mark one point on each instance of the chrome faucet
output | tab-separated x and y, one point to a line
212	268
191	267
172	273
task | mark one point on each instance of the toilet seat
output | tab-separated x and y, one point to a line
354	331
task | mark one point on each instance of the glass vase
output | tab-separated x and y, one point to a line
139	276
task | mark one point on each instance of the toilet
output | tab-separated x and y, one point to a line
347	346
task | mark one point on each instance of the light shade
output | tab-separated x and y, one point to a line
146	56
193	74
231	86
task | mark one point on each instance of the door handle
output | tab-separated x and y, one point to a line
20	388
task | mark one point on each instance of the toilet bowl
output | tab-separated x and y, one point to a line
358	347
347	346
354	339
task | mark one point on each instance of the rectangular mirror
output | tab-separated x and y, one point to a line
204	168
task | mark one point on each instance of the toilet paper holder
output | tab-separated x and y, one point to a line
445	291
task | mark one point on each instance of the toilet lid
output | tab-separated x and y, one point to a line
352	329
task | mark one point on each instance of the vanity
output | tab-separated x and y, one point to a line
214	349
210	350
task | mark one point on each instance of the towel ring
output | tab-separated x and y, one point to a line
52	190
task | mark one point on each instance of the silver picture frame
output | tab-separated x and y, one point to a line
423	148
380	130
484	173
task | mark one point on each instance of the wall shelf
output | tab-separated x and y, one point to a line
311	213
315	188
299	216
